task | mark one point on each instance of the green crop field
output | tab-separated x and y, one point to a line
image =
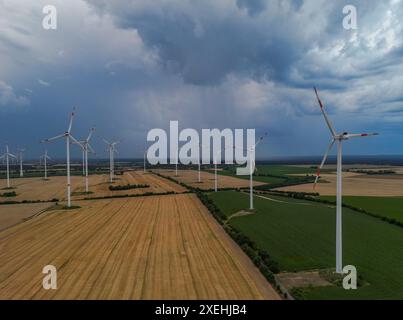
274	174
300	235
269	179
283	170
390	207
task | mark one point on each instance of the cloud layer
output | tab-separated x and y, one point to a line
132	65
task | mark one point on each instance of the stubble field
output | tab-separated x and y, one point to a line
354	184
161	247
16	213
156	184
38	189
33	189
190	177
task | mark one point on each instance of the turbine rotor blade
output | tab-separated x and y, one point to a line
323	162
71	121
91	148
90	134
76	141
322	108
54	138
260	139
360	135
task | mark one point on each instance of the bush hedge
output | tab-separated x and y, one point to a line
128	187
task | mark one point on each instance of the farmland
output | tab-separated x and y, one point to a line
275	174
38	189
300	235
161	247
33	189
170	246
16	213
156	184
390	207
190	177
354	184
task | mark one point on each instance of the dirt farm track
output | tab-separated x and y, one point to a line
156	247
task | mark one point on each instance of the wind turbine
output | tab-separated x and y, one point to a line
176	166
201	146
20	153
68	137
339	138
6	156
45	157
251	168
85	146
144	161
215	167
112	150
215	170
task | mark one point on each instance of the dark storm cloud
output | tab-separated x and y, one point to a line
252	6
133	65
204	44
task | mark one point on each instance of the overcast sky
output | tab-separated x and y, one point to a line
132	65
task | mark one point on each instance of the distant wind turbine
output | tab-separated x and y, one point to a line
68	137
6	156
112	151
20	156
45	158
86	147
144	161
201	146
339	138
215	170
252	168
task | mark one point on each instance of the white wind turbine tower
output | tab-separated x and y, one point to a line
45	158
144	161
215	160
201	146
215	170
339	138
86	147
7	156
20	154
112	150
176	165
68	137
251	168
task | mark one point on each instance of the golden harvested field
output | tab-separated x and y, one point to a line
160	247
55	187
15	213
355	184
190	177
157	184
39	189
